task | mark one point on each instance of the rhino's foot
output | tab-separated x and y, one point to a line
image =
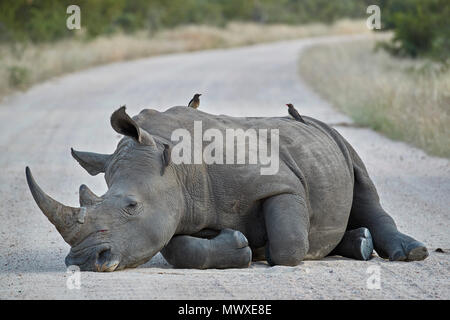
404	248
230	250
356	244
363	245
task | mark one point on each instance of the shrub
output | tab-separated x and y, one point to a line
421	28
18	76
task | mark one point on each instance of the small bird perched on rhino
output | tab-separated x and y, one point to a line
294	113
195	101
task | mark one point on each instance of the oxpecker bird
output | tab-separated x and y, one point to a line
294	113
195	101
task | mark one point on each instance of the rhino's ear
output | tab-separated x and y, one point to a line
165	157
94	163
123	124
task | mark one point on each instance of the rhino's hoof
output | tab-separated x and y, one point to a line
232	238
364	245
417	252
412	251
245	259
231	250
356	244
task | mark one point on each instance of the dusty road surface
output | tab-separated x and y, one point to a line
39	127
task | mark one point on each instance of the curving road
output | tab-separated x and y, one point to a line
38	128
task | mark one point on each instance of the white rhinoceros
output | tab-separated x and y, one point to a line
321	201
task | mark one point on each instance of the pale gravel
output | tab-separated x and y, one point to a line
38	128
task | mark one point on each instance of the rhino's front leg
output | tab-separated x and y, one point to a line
287	224
229	249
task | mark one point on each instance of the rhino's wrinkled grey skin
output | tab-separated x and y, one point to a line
217	216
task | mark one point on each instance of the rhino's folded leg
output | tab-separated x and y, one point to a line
356	244
229	249
287	224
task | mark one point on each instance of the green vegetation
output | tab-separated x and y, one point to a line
45	20
18	76
405	99
421	28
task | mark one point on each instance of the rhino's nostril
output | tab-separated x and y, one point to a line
103	255
105	261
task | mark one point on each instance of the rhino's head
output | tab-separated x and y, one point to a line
135	218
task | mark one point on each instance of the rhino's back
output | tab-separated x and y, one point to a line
314	153
163	124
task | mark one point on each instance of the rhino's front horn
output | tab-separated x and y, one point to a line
66	219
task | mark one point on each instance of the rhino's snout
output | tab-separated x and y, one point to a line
99	259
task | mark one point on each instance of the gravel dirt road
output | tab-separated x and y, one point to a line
38	128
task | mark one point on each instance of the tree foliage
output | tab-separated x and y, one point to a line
45	20
421	27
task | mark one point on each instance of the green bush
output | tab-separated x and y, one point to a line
33	20
18	76
421	28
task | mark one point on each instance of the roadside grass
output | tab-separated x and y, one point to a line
404	99
22	65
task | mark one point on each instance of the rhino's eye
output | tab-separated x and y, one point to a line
132	208
132	204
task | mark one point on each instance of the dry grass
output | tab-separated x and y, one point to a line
405	99
25	65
